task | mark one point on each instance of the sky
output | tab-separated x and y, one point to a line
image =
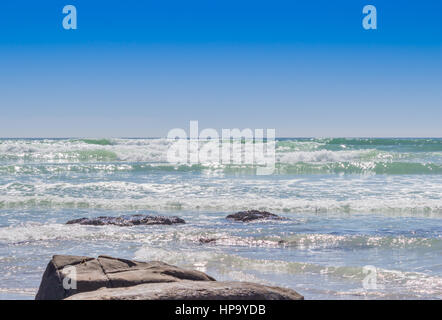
140	69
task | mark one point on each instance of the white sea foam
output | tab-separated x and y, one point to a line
410	195
30	232
390	282
155	151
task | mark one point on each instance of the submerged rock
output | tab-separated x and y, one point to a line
92	274
207	240
192	290
128	220
252	215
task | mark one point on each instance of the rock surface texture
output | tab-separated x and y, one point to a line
128	220
253	215
92	274
107	278
192	290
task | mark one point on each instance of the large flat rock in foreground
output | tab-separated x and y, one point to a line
108	278
94	273
192	290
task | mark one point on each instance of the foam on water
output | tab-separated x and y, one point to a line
34	232
289	152
395	195
391	283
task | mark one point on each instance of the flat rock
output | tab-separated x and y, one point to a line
104	271
192	290
128	220
253	215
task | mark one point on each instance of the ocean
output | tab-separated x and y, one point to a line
364	215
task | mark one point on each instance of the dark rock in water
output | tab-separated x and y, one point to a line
207	240
192	290
251	215
128	220
92	274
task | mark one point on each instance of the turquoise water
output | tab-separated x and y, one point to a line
351	203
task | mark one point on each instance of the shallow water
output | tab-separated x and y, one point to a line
351	203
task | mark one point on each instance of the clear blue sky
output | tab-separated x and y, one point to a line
140	68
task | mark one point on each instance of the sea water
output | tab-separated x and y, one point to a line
356	208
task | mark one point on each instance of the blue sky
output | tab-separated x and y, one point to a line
139	69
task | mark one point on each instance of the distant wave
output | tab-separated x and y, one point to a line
418	143
101	142
293	156
405	168
299	168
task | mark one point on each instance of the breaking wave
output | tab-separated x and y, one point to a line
293	156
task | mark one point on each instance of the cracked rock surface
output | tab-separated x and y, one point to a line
108	278
104	271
